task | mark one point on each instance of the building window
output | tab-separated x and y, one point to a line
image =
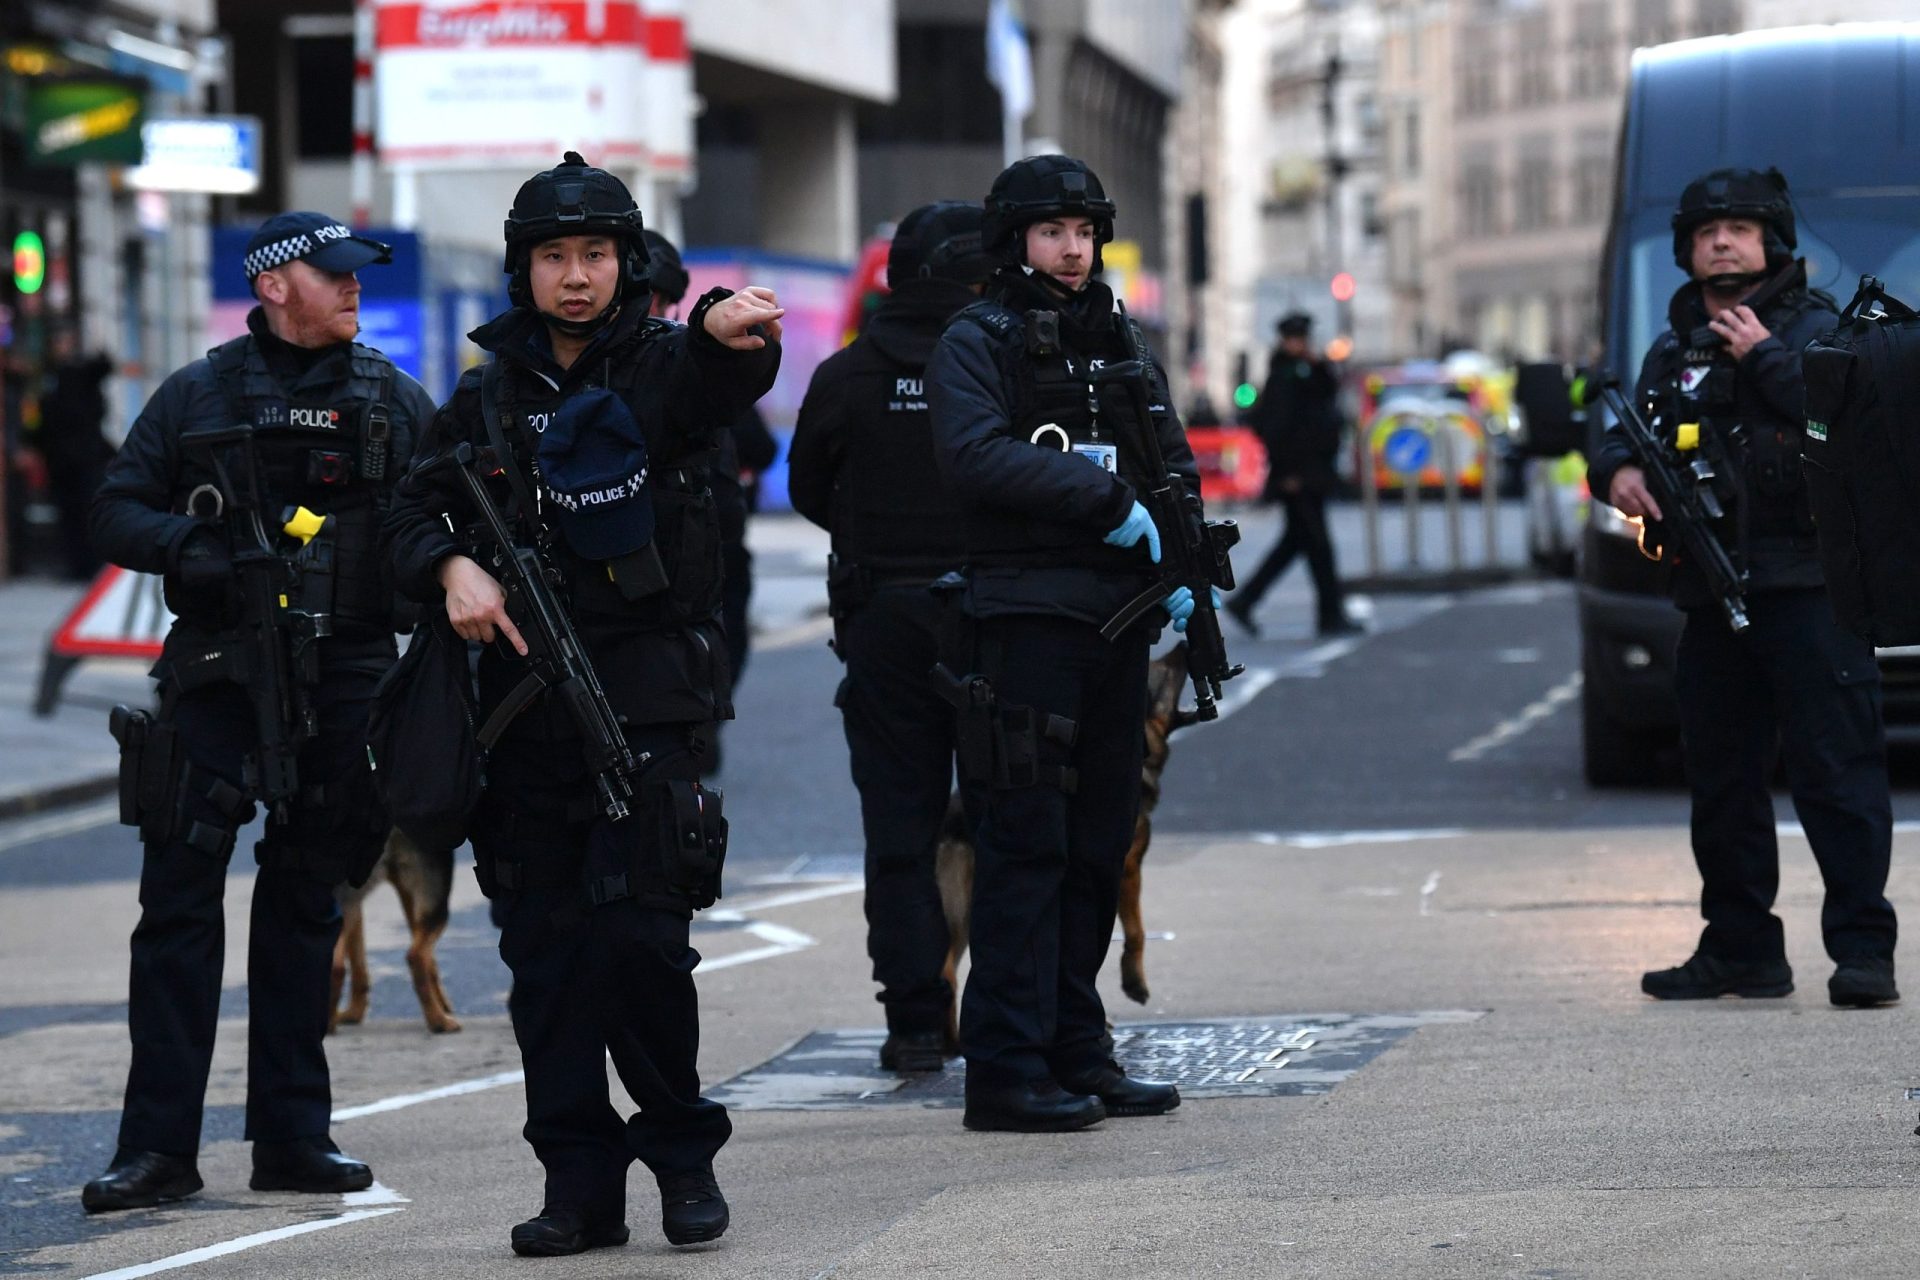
1653	22
1477	91
323	97
1532	60
1717	17
1410	142
1479	200
1595	69
1592	178
1370	224
1533	192
945	100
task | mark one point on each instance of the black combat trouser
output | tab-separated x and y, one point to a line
590	980
900	744
1307	533
173	999
1048	859
1793	682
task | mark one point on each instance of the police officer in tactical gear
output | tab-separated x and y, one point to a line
743	448
326	427
594	425
1794	681
1036	446
1298	419
862	466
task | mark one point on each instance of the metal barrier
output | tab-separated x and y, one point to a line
1429	448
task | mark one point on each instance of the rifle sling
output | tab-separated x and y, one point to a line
509	461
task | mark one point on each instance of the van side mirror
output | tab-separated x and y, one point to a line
1550	425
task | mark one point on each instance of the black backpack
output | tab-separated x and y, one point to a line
1862	455
428	763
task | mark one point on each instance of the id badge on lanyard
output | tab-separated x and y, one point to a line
1104	456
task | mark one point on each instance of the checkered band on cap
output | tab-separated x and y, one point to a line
281	252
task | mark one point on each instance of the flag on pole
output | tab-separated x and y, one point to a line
1009	59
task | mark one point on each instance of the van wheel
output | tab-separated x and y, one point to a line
1616	755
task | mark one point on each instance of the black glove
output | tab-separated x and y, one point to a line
203	561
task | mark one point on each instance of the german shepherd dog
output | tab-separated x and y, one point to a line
424	880
953	858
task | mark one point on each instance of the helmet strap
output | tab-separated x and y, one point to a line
1733	281
583	328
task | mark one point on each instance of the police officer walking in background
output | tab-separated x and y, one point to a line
1794	681
1298	419
862	467
1058	543
587	395
332	426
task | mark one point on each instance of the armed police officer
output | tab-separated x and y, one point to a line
1724	384
590	433
1037	446
255	480
862	466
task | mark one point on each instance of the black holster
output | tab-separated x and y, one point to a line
148	771
1000	744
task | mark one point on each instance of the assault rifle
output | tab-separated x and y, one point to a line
286	607
1682	483
556	659
1193	550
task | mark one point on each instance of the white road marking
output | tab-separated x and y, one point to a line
808	632
783	942
402	1101
1335	839
1427	891
254	1241
65	823
377	1194
1507	730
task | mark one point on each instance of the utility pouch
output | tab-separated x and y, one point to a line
695	844
848	587
639	574
148	771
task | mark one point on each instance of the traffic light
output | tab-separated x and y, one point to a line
1244	395
1342	287
29	262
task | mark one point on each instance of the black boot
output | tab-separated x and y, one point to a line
914	1051
562	1229
1120	1093
1708	977
1029	1106
692	1210
307	1164
139	1180
1862	982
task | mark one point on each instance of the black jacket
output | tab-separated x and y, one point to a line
661	659
862	461
1764	396
744	447
1298	419
1037	517
138	519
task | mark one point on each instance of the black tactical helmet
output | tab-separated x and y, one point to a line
939	242
666	275
573	198
1036	189
1736	193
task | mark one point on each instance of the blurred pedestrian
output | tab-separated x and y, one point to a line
73	408
862	466
1298	419
250	577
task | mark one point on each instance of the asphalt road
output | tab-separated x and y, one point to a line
1389	824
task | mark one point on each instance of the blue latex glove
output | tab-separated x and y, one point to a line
1136	526
1179	605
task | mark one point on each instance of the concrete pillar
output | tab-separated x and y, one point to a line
809	180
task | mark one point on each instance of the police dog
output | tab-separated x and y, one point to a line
424	880
953	858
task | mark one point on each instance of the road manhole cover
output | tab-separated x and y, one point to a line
1274	1057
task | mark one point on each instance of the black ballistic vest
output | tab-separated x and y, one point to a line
894	514
332	454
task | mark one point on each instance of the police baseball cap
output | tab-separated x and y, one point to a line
593	462
1295	324
316	238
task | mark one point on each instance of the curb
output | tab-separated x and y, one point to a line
59	795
